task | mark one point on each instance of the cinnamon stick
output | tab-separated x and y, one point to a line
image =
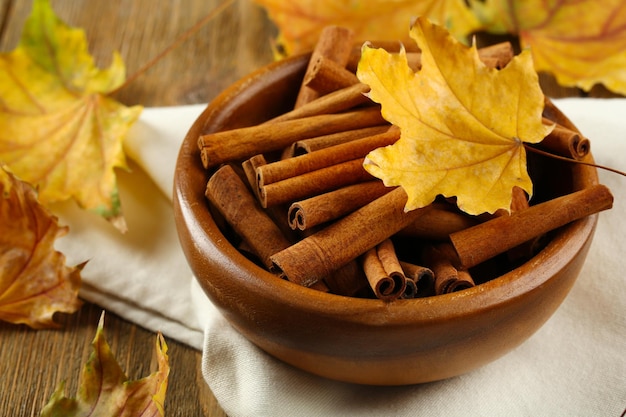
333	102
410	289
232	198
332	205
422	276
524	251
320	142
326	76
383	271
250	166
315	182
565	142
318	255
276	213
298	165
335	44
237	144
442	260
486	240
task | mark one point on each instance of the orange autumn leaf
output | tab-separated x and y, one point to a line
104	389
60	131
581	42
34	281
301	21
462	124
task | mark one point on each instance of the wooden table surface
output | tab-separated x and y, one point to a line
33	363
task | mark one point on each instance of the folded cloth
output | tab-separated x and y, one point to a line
573	366
141	275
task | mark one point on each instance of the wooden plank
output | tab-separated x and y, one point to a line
34	362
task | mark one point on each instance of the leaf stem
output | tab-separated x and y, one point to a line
180	39
563	158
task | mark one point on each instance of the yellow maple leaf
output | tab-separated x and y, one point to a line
60	131
104	389
301	21
580	42
462	124
34	281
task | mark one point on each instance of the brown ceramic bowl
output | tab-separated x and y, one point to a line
360	340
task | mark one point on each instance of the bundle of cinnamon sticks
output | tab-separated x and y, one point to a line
314	216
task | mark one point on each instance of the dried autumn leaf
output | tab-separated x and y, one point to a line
301	21
104	389
60	130
462	124
34	281
581	42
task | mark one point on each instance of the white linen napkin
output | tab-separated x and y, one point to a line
573	366
142	275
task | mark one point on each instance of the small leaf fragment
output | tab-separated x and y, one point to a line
34	281
462	124
105	390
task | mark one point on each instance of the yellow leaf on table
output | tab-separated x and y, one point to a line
301	21
34	281
104	389
462	124
60	131
580	42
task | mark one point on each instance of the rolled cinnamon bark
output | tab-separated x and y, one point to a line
335	44
527	249
383	271
332	205
410	289
334	102
250	166
301	164
486	240
442	260
238	144
388	258
232	198
327	76
565	142
315	182
318	255
320	142
421	275
464	281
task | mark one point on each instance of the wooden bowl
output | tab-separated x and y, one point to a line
358	340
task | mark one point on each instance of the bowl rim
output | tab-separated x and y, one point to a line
193	215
